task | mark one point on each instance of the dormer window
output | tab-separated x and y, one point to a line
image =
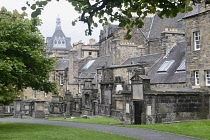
165	66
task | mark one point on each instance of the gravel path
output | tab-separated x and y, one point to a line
139	133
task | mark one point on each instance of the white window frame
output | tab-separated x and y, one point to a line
196	39
197	83
61	79
130	74
207	77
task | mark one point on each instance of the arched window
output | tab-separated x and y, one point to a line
59	42
55	41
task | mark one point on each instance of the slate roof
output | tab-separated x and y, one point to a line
62	64
159	24
177	54
90	72
142	59
192	13
146	27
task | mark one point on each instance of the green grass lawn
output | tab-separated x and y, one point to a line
198	129
89	120
27	131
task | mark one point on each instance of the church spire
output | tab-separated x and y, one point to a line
58	23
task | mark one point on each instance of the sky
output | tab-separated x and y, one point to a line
67	14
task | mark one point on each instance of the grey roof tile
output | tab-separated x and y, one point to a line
192	13
62	64
142	59
159	24
91	71
177	53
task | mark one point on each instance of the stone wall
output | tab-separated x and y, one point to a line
169	38
170	107
29	94
160	86
119	48
124	51
198	60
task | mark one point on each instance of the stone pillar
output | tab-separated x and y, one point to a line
1	112
38	109
17	108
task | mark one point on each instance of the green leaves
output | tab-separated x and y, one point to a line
122	11
22	64
23	8
36	13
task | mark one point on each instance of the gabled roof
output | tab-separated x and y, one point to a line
62	64
171	75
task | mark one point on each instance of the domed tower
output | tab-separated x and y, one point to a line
58	45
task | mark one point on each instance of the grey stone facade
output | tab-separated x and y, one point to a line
198	58
161	75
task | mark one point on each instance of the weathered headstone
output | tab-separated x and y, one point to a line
17	108
39	109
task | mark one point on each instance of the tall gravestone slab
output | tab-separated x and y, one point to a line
39	109
69	100
1	112
17	108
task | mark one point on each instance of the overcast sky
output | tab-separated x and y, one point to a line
54	9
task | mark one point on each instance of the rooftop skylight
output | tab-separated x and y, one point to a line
90	62
182	67
165	66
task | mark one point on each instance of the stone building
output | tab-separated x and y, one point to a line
113	43
152	38
161	75
161	92
91	49
58	45
198	42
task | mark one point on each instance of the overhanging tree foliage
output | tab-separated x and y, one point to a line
22	63
120	10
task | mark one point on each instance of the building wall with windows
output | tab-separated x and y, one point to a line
89	50
113	43
198	47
